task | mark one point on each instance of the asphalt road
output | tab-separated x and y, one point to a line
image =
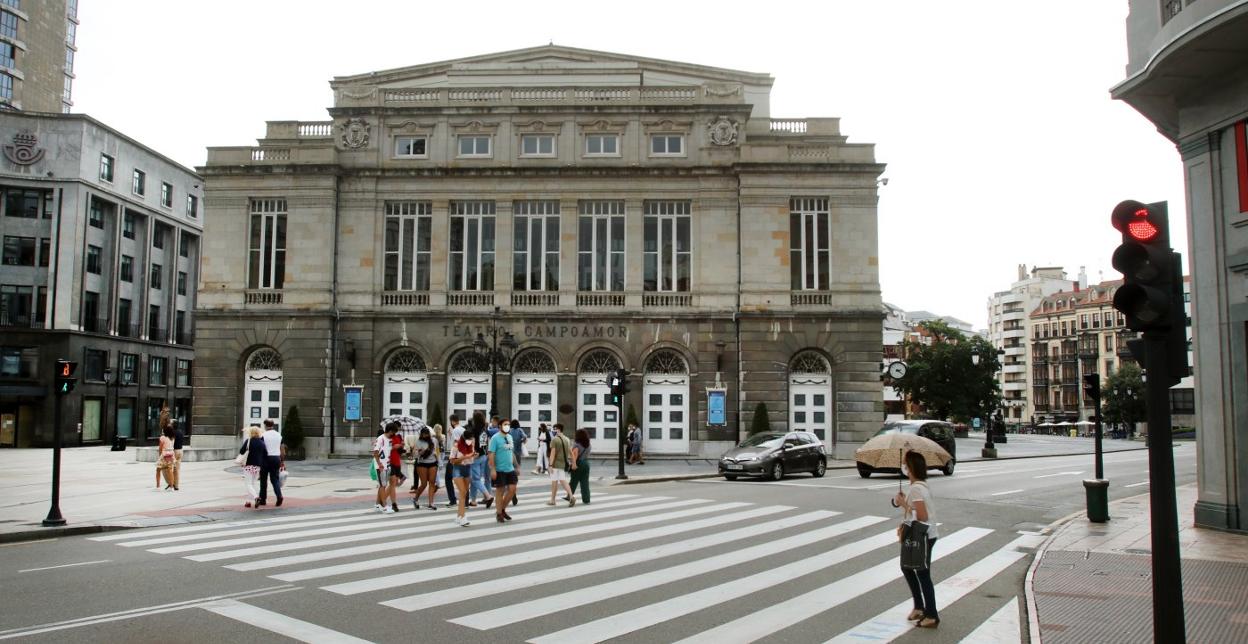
799	560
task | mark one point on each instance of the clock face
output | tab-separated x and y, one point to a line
897	370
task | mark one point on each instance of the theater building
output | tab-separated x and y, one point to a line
587	211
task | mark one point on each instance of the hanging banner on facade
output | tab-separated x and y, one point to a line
353	407
715	404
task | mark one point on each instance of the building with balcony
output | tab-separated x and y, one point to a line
604	210
1184	73
100	262
37	48
1008	316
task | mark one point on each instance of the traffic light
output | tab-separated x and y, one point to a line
623	382
617	381
1147	266
1092	386
65	379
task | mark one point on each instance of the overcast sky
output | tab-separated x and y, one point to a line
993	117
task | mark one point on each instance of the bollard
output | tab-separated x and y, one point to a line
1097	492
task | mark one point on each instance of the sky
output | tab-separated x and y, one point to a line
994	118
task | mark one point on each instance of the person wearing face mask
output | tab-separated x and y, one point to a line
916	505
503	469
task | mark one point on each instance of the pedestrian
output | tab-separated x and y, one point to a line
580	466
381	460
165	459
426	466
519	440
543	449
480	468
462	456
559	462
253	452
503	469
272	470
916	505
179	439
398	452
453	434
635	443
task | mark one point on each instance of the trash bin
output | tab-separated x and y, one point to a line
119	443
1097	492
1074	433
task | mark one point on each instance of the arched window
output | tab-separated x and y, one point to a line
406	361
264	359
666	361
599	361
533	361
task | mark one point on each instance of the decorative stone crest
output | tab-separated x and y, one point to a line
355	133
23	151
722	131
722	91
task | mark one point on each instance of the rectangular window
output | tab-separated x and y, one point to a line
129	369
600	246
7	52
184	245
69	60
71	33
808	244
106	168
156	371
267	244
124	324
93	259
408	245
127	268
8	24
127	225
91	321
192	206
1109	343
22	203
95	214
19	362
155	281
93	363
179	327
535	255
537	145
166	195
472	246
15	305
155	331
181	283
45	251
667	247
158	236
603	145
411	146
183	377
68	92
474	146
138	183
6	87
19	251
671	145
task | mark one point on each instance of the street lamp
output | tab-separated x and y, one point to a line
989	450
497	353
108	385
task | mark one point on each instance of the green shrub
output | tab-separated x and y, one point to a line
760	422
435	416
292	429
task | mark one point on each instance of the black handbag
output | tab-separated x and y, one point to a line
915	546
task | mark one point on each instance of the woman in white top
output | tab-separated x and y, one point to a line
916	505
543	445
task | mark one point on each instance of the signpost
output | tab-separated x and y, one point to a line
716	398
353	406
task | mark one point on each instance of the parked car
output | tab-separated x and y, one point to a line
939	431
774	454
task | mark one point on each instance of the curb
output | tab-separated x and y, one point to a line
1033	617
64	531
661	478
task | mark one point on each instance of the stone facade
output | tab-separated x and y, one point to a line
615	167
41	36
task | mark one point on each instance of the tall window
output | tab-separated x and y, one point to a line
156	371
166	195
6	87
93	259
808	243
129	363
535	258
7	52
184	373
95	214
184	245
181	283
8	24
267	246
91	312
127	268
156	281
600	246
192	206
667	251
124	327
138	182
127	225
472	246
106	168
155	330
45	251
408	243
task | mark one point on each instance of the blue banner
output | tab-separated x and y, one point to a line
354	404
715	399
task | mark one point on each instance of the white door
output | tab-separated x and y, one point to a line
596	414
262	396
406	394
666	414
534	399
468	394
810	405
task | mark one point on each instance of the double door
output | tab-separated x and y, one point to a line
666	415
596	414
467	395
534	400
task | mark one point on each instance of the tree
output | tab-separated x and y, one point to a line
1123	396
943	377
760	422
292	430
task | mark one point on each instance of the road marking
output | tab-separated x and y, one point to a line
25	543
205	526
1046	476
452	535
769	620
27	631
1137	484
889	625
1005	492
295	629
417	576
81	563
1003	626
583	596
456	594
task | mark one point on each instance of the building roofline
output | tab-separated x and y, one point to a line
94	121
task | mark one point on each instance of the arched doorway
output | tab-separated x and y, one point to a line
666	396
262	388
468	385
406	385
595	413
810	395
534	390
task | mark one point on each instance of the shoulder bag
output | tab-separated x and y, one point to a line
915	546
241	459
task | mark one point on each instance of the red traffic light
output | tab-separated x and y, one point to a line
1140	222
66	368
1140	227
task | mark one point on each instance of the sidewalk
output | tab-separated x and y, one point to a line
1092	582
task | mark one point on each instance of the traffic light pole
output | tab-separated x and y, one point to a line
1100	462
619	434
54	518
1168	621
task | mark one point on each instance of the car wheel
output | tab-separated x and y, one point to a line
948	468
730	477
777	471
864	471
820	469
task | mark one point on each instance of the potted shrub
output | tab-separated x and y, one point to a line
292	434
760	422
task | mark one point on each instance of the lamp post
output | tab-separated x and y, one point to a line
989	450
108	385
497	353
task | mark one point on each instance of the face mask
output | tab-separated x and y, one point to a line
506	428
905	471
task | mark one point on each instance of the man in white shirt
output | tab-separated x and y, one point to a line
271	470
381	459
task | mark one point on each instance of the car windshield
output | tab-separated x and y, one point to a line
763	440
894	428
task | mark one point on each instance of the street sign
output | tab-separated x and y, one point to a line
715	414
975	422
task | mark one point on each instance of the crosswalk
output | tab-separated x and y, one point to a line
689	570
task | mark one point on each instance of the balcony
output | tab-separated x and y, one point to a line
1070	357
1040	382
537	299
184	337
20	322
157	334
469	298
129	330
600	299
262	296
95	325
404	298
667	300
810	298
